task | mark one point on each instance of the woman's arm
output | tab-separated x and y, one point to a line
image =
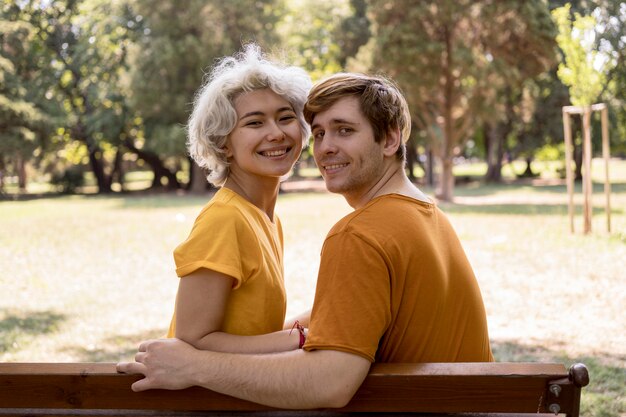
200	308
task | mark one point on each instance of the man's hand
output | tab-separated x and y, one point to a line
165	363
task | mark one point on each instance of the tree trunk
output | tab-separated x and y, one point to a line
97	167
118	172
156	165
446	185
494	147
578	161
446	180
577	144
197	179
95	157
430	168
1	174
528	172
411	157
21	173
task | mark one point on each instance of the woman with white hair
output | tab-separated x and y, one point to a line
247	130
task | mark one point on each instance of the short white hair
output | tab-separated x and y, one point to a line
214	116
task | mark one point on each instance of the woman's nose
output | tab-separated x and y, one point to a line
275	133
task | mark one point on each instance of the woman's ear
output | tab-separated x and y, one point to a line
227	151
393	139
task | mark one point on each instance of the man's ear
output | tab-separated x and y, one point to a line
393	139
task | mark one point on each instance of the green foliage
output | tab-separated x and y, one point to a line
121	75
458	61
174	46
23	120
321	36
583	69
77	60
550	152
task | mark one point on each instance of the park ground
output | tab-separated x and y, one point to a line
86	278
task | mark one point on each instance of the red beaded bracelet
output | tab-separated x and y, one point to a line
300	328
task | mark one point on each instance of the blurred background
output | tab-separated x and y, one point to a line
94	95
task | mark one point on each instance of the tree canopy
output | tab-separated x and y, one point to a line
103	86
454	59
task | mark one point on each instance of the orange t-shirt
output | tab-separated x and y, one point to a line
395	285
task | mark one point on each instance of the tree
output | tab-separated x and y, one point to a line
540	126
588	58
175	46
84	50
353	32
520	38
446	55
582	67
611	19
24	121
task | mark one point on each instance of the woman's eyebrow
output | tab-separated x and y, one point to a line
260	113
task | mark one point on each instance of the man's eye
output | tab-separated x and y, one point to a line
344	131
318	135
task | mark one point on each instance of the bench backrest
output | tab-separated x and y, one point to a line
68	388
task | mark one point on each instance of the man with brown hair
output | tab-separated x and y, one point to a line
394	283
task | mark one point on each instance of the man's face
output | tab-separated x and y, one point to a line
345	151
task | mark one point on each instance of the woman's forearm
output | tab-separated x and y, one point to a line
280	341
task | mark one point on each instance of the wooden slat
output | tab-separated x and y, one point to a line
426	388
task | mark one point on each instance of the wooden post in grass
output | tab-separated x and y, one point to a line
606	154
585	112
569	150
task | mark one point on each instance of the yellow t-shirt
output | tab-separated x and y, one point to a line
234	237
395	285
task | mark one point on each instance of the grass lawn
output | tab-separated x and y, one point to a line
87	278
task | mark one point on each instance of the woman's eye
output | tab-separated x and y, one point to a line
287	118
253	123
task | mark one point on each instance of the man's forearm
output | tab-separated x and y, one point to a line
295	379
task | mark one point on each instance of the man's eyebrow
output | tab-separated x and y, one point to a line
334	122
260	113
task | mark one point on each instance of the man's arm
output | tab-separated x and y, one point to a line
295	380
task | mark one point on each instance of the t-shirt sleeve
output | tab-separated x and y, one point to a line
352	309
214	243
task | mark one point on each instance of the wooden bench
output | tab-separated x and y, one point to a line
96	389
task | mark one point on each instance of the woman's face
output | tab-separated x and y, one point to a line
267	139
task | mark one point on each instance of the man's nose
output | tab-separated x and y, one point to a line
326	146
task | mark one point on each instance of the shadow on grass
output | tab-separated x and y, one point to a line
18	328
603	397
113	349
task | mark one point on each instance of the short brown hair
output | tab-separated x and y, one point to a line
380	99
